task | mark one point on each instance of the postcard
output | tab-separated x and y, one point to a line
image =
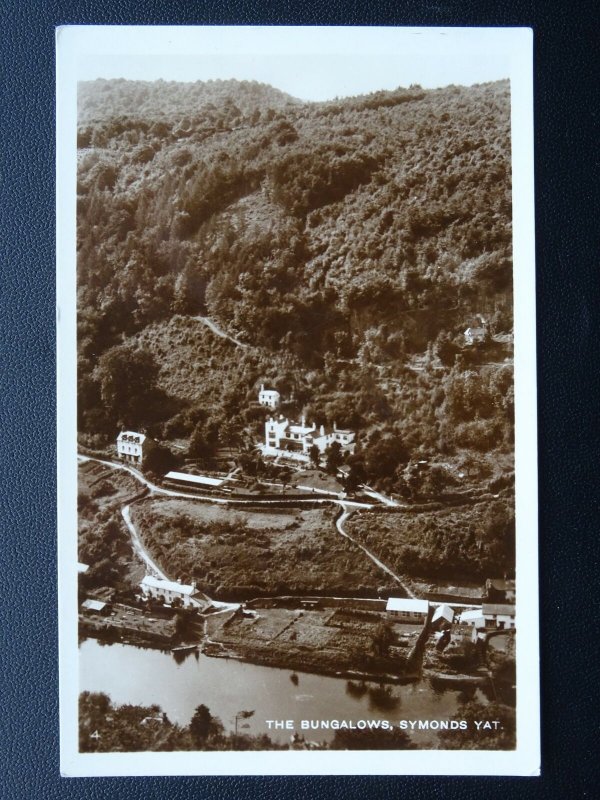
297	401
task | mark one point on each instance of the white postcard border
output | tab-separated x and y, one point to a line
74	46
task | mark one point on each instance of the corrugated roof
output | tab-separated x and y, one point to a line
201	480
172	586
93	605
406	604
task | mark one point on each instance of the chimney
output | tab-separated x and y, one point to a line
322	430
262	387
303	421
334	426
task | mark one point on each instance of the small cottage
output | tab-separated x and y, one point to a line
268	397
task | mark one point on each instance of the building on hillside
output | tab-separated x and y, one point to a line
169	591
407	609
499	615
132	446
283	437
473	617
269	397
477	332
443	617
499	591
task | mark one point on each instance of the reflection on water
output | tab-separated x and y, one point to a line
179	682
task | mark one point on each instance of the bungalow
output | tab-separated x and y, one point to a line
132	446
283	437
407	609
96	607
499	615
443	616
268	397
169	591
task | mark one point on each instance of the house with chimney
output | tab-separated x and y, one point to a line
133	446
283	437
270	398
169	591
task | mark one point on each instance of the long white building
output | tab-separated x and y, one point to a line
170	591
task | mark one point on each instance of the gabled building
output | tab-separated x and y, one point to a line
168	591
269	398
133	446
499	615
283	437
443	617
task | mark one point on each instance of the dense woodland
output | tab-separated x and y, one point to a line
347	243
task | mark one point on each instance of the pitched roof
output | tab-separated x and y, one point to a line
93	605
406	604
124	436
172	586
202	480
443	612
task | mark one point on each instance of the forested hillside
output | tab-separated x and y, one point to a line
348	244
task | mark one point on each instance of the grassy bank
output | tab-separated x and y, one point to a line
237	554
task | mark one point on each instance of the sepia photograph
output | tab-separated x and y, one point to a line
297	465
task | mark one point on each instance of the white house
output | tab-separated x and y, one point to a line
268	397
474	617
499	615
170	591
283	437
132	446
407	609
442	616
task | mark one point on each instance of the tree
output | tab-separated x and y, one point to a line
127	378
356	476
160	460
315	455
382	638
201	725
497	734
334	458
384	456
372	739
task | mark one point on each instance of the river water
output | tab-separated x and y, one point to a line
139	676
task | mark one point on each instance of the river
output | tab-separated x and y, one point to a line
145	677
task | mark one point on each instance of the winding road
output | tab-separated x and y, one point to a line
220	332
339	524
347	507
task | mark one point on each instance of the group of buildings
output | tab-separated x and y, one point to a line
496	612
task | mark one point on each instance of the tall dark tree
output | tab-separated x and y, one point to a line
127	378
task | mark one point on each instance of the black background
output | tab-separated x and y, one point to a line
566	153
